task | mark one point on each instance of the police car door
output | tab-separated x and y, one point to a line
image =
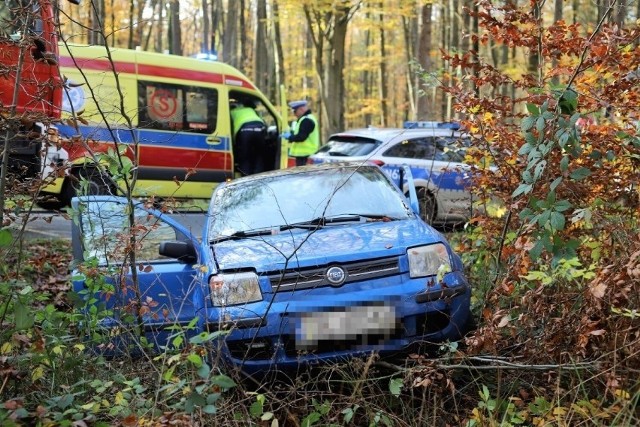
432	170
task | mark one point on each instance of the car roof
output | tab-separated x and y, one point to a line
302	169
388	134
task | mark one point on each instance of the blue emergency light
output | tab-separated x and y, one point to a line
431	125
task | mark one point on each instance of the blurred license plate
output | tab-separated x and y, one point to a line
350	323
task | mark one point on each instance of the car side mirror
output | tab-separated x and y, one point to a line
184	252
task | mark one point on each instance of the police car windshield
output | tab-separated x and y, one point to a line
279	200
347	146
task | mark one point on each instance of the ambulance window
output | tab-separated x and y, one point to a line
163	107
174	107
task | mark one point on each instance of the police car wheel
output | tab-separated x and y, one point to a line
428	207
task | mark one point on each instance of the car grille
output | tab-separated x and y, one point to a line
290	280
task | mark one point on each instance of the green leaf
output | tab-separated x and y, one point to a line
533	109
540	125
23	316
209	409
223	381
564	163
555	183
557	221
395	386
580	173
539	170
195	359
204	371
311	419
256	409
522	189
5	237
528	123
525	149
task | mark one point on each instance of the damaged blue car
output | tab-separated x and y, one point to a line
303	265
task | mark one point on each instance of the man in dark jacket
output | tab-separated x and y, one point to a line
249	132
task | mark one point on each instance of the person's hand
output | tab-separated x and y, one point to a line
286	134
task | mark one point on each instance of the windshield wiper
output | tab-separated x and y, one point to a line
321	221
244	234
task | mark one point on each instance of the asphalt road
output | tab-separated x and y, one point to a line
53	225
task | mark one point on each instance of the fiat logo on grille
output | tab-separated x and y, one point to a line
336	276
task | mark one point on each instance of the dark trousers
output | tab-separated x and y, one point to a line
249	148
301	161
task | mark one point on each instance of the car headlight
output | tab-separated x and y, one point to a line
428	260
234	288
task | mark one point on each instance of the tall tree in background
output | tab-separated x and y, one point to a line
277	41
96	26
229	34
262	54
175	33
384	89
328	24
424	58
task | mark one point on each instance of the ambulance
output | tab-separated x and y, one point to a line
161	119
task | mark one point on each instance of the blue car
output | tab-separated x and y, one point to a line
303	265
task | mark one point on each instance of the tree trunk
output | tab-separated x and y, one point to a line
229	35
424	58
96	33
131	29
159	47
206	28
384	92
261	51
330	26
413	80
175	34
278	48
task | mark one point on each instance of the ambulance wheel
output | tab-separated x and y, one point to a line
86	182
50	202
428	206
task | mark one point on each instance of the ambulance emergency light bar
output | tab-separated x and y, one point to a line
431	125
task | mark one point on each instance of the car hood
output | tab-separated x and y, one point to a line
343	243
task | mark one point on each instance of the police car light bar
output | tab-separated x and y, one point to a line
431	125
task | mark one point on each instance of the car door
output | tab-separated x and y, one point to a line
164	296
434	169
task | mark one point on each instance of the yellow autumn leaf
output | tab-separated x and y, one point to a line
6	348
488	116
37	373
119	398
559	410
623	394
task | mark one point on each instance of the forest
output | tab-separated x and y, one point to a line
549	92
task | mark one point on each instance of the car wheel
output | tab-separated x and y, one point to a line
428	207
86	182
50	203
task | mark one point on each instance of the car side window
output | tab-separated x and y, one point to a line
106	233
418	148
175	107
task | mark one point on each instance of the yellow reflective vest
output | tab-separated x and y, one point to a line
310	145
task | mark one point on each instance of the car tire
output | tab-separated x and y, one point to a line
97	184
428	206
51	203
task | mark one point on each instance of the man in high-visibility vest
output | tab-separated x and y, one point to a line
249	132
305	133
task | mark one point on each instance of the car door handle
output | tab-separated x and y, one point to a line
214	140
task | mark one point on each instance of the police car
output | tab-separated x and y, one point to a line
433	150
